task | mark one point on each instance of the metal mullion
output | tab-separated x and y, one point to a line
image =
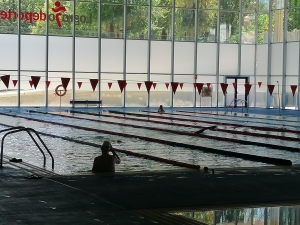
284	57
149	48
73	51
255	51
268	103
172	50
47	55
19	53
196	49
218	54
240	38
99	50
124	49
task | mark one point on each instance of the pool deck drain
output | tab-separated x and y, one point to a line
115	199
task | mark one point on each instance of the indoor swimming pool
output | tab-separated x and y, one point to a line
74	136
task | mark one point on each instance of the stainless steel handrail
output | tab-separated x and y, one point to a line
19	129
236	101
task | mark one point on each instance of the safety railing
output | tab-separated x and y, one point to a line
235	102
28	130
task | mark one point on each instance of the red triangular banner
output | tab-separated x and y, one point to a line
94	83
109	85
208	85
259	84
271	88
122	84
181	85
139	85
148	85
195	85
167	85
35	81
199	87
47	83
174	86
247	88
224	87
154	85
294	88
234	85
15	82
30	83
65	81
5	80
79	84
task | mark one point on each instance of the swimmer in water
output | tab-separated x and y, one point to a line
205	128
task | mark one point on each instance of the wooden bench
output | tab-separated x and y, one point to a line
86	102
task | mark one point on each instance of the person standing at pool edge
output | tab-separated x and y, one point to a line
161	109
106	162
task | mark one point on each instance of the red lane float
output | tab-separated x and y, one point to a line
192	126
217	123
275	161
272	146
139	155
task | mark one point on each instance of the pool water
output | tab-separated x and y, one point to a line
75	158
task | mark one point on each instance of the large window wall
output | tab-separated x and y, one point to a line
163	41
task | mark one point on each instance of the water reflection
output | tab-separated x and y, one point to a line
281	215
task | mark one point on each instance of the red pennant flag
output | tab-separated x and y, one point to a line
148	85
122	84
139	85
247	88
47	83
94	83
5	80
30	82
293	87
199	87
35	81
271	88
259	84
224	87
15	82
195	85
65	81
234	85
154	85
109	85
79	84
167	85
174	86
181	85
208	85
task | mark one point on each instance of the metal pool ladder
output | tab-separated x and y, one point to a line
235	102
28	130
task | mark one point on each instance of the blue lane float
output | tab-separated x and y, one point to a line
263	159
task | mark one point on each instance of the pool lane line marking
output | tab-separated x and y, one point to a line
139	155
264	159
244	142
196	115
246	133
209	122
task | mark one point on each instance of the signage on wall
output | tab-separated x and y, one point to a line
58	16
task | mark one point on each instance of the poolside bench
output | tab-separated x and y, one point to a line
86	102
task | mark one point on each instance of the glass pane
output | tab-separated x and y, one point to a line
277	25
161	28
185	3
207	25
60	60
183	96
248	29
206	58
86	20
136	96
184	25
161	2
278	4
293	3
229	5
86	54
112	21
184	57
228	59
248	5
160	57
137	2
229	27
112	55
9	46
292	58
161	95
263	5
136	56
137	22
208	4
262	28
293	25
8	26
